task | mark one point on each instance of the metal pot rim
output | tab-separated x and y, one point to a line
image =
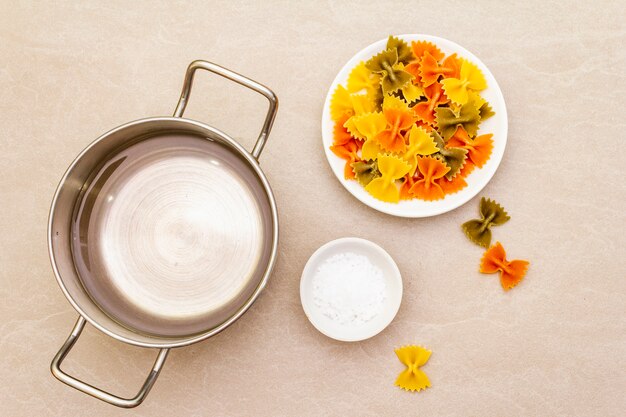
179	341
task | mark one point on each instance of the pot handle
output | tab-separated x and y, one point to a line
55	367
240	79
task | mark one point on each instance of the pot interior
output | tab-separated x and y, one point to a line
171	233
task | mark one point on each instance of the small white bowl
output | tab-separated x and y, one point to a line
377	256
476	181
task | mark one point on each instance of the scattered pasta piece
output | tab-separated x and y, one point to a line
391	169
413	378
427	188
412	108
479	230
511	272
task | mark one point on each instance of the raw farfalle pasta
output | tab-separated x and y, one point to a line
420	143
405	55
425	110
430	69
348	152
341	136
449	120
479	230
365	171
413	378
457	88
427	188
479	149
453	157
392	76
511	272
399	118
407	122
363	79
391	168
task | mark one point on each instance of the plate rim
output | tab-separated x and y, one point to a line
439	206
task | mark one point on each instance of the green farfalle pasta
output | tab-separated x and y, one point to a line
453	157
377	98
393	78
447	120
365	171
492	214
405	55
485	111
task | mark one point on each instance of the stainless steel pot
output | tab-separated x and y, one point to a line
163	232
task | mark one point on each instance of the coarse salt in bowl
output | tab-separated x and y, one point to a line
350	289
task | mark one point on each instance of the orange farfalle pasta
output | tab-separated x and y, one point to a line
398	120
341	136
425	110
457	183
347	151
511	272
405	188
410	104
479	149
431	170
419	48
430	70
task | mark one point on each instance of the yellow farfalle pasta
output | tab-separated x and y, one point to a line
362	79
470	79
367	126
420	143
391	169
370	150
413	378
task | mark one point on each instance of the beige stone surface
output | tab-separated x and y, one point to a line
556	345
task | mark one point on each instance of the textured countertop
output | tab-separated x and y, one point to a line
555	345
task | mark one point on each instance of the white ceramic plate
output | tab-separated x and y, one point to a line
478	178
380	258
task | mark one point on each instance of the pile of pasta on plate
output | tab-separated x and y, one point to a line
406	122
